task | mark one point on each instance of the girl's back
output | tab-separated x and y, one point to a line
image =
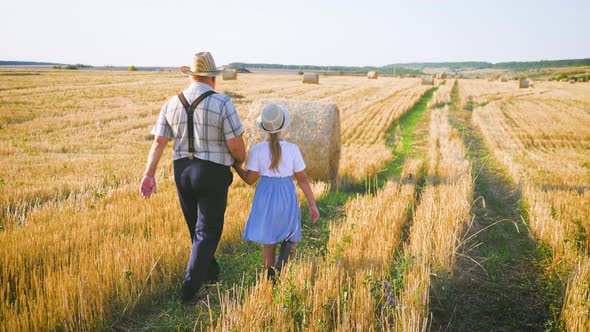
291	160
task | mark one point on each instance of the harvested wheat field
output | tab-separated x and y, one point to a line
406	212
542	139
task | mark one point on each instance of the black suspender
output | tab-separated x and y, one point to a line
190	111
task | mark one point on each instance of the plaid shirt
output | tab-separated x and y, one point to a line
216	121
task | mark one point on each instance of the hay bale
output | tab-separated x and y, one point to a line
504	78
230	74
427	80
372	75
523	83
311	78
315	128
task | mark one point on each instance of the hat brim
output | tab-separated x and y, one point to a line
187	71
285	124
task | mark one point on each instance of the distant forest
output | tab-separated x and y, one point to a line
416	68
345	69
27	63
412	68
542	64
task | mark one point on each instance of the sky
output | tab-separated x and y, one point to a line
303	32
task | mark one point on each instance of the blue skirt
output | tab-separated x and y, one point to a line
275	214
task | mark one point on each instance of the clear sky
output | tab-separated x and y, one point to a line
302	32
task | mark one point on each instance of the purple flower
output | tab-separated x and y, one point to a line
382	308
388	297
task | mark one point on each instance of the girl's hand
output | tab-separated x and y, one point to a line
250	177
314	213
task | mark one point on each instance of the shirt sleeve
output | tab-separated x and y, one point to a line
162	127
253	164
298	163
232	124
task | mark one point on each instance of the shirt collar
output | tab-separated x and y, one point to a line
199	86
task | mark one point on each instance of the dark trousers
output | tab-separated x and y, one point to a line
202	190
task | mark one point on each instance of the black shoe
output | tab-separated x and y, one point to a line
188	293
212	280
213	273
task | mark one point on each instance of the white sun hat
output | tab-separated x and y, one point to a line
273	118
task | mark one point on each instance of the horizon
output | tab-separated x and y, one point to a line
49	63
146	33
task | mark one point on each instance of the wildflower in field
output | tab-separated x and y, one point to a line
388	297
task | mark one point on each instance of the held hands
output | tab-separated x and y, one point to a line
314	213
148	186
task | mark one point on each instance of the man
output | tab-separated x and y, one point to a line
206	143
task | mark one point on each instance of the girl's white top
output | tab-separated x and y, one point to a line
291	160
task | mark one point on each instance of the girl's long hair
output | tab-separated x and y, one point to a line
275	151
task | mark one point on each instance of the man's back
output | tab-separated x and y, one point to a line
215	121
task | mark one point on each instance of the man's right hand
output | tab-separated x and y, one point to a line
148	186
237	148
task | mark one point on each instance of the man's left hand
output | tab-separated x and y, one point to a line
148	186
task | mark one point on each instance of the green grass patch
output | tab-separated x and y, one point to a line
401	135
455	97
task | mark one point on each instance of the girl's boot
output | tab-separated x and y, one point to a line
285	252
271	275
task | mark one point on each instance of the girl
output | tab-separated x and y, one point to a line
275	214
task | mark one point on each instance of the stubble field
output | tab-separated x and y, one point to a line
82	250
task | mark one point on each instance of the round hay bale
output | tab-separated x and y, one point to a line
230	74
523	83
427	80
314	127
372	75
311	78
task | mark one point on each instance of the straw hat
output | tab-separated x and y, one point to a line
273	118
203	65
